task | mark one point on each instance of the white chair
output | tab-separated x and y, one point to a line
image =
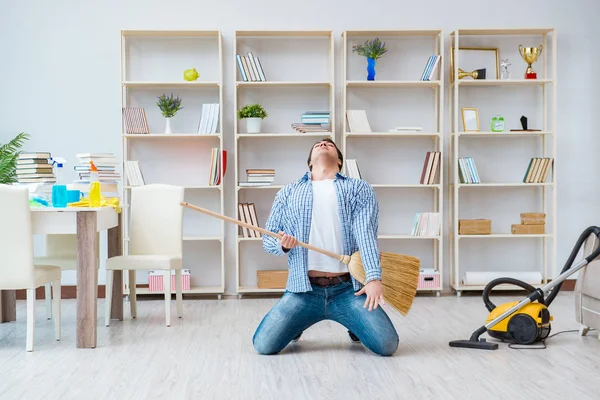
61	250
17	268
155	243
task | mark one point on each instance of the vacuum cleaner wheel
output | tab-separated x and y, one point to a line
522	328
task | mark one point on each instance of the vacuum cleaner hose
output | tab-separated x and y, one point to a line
499	281
582	238
554	292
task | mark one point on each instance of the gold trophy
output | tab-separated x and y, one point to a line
530	55
477	74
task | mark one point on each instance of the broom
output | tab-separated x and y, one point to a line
399	273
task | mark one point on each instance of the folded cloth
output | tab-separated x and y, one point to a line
111	201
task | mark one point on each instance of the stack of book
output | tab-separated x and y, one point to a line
538	169
35	167
108	175
431	166
250	68
426	224
214	178
430	67
313	121
247	214
467	172
352	170
259	177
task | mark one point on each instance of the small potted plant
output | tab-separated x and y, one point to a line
169	106
9	153
253	114
373	50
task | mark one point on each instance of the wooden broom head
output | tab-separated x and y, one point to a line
399	276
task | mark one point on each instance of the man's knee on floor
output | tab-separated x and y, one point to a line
263	345
388	345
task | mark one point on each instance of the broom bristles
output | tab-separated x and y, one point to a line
399	276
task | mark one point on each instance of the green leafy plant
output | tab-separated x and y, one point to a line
374	49
252	111
169	105
9	153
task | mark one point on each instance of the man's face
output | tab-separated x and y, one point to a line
323	149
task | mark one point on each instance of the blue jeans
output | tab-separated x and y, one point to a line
295	312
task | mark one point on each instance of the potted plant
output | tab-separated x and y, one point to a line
169	106
373	50
9	153
253	114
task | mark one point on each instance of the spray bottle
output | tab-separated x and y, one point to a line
95	192
59	189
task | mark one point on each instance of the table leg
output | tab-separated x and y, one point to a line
8	305
87	280
115	248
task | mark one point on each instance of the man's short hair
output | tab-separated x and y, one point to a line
339	153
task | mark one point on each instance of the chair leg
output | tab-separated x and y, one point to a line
132	294
56	299
583	330
30	318
48	298
179	295
167	285
108	296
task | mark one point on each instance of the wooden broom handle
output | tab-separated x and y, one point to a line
344	259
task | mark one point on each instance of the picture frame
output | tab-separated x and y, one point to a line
474	58
470	119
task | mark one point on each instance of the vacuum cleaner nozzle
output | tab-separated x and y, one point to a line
474	342
480	344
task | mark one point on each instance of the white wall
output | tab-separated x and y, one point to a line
59	74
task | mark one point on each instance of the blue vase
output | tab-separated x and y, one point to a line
370	69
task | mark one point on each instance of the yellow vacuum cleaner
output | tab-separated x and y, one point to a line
527	321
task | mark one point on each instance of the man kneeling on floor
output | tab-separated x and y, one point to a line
336	213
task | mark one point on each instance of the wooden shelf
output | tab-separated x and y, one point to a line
506	82
376	157
505	134
407	237
283	135
290	89
392	84
392	134
188	164
180	84
173	136
515	184
481	201
503	32
273	187
193	290
504	236
393	32
170	33
282	84
404	186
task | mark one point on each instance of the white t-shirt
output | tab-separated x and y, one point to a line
325	229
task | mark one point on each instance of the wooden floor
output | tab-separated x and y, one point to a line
209	355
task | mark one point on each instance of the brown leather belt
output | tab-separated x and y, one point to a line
323	281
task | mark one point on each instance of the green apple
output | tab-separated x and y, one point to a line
190	74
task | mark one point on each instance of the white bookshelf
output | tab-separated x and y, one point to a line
299	72
502	158
392	162
153	63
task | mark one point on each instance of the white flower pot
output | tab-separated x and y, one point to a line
253	125
168	126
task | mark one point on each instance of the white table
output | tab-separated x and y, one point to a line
85	222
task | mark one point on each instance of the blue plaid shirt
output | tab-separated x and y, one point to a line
292	213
